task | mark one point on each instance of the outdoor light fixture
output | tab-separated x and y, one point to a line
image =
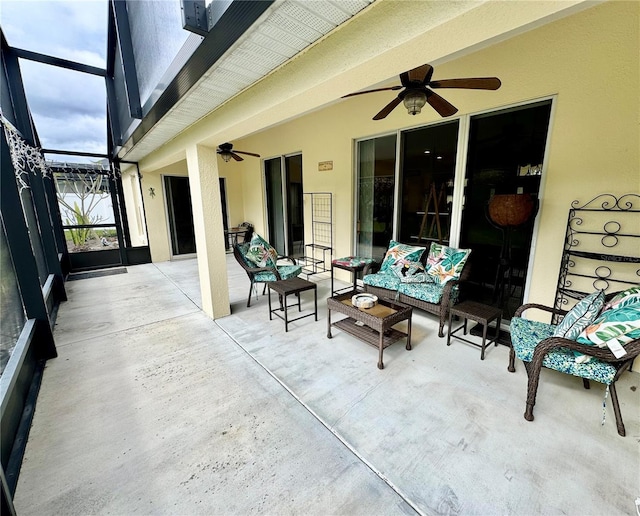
414	101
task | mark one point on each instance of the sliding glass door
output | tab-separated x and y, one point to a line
183	238
376	183
426	183
285	207
504	168
504	157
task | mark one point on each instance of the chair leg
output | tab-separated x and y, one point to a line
443	316
249	298
533	372
616	410
586	383
512	361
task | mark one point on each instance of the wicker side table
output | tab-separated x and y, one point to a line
483	314
354	264
292	286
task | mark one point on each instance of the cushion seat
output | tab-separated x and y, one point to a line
428	292
526	334
286	272
386	280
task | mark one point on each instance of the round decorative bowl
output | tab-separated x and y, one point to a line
364	300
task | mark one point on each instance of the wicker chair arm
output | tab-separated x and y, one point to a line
292	260
544	308
447	291
603	354
370	268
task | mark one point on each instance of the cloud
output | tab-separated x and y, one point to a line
76	132
58	28
68	107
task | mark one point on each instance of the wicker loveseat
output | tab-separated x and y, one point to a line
433	289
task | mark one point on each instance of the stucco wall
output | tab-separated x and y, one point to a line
156	209
589	62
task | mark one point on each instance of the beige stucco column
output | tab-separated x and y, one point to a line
202	165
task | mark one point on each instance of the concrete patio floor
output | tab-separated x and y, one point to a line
152	407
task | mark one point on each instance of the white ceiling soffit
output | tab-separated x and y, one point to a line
286	29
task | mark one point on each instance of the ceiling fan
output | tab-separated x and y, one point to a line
416	92
226	152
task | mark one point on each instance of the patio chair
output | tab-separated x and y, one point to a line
266	273
534	343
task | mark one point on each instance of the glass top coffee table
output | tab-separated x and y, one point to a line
371	325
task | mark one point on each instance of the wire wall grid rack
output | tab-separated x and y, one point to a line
315	260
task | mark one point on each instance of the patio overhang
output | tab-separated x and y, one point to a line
364	51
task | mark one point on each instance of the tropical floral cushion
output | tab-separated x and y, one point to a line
352	261
386	280
260	252
428	292
398	251
614	326
446	263
410	272
580	316
526	334
286	272
626	297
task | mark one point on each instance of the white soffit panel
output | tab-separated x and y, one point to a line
288	28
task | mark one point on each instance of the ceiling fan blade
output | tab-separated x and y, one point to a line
235	156
442	106
388	108
371	91
422	74
479	83
248	153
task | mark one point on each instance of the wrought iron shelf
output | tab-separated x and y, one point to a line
595	231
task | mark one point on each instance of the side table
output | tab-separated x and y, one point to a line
354	264
292	286
482	314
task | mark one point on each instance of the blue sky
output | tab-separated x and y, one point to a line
69	108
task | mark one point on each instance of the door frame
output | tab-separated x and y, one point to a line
165	196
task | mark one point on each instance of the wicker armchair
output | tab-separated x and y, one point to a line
533	342
264	274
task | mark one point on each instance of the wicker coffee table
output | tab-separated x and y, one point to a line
371	325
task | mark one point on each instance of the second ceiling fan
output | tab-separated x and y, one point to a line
416	91
226	152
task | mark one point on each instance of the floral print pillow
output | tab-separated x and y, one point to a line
446	263
398	251
410	272
617	325
626	297
261	253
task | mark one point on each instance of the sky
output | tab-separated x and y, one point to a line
69	108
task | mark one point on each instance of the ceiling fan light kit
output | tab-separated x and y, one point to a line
416	92
414	101
226	152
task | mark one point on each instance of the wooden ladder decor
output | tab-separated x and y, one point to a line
437	199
